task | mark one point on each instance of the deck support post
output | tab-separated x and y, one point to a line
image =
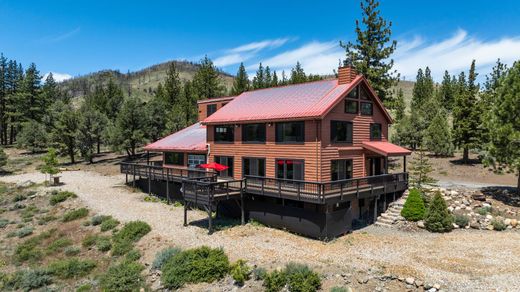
242	207
404	163
149	181
210	220
185	213
375	209
168	186
126	178
133	172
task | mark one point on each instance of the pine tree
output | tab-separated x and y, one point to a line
241	82
504	124
172	86
437	137
30	94
297	74
66	130
423	106
371	54
488	99
33	136
274	80
438	217
405	132
259	79
114	98
420	171
157	115
3	159
399	105
91	128
284	80
465	113
207	82
268	78
50	92
128	131
50	163
3	98
446	91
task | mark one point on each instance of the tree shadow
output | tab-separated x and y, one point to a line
469	162
219	223
504	194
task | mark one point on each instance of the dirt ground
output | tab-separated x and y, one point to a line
463	260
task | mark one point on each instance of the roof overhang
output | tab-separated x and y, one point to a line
386	148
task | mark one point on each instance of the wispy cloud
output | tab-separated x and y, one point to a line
454	54
247	51
60	37
58	77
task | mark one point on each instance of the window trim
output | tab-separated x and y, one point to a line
342	159
371	108
380	132
347	100
232	167
276	135
293	159
262	141
253	157
223	142
342	142
207	109
174	152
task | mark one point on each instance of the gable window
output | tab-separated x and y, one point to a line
175	158
351	106
341	169
340	132
292	132
253	166
253	133
353	93
375	131
363	94
227	161
211	109
366	108
224	134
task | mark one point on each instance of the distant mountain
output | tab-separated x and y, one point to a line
139	83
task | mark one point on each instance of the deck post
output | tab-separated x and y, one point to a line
375	209
168	186
149	181
126	177
404	163
210	220
242	207
185	213
133	172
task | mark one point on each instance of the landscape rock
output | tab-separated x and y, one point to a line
507	221
514	222
420	224
409	281
25	184
479	197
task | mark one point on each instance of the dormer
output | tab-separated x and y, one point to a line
209	106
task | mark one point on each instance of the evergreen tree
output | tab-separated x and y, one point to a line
446	91
241	82
274	80
114	98
437	137
33	136
371	54
284	80
504	124
438	217
259	79
50	91
3	159
297	74
206	82
50	163
33	106
91	127
157	115
413	209
420	171
465	114
268	78
488	99
128	131
399	105
66	130
405	132
423	106
3	98
172	86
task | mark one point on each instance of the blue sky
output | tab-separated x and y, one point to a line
72	38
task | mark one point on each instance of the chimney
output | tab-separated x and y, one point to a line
346	74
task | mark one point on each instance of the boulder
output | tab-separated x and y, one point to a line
409	281
454	193
507	221
420	224
455	226
514	222
478	197
489	217
489	227
474	225
25	184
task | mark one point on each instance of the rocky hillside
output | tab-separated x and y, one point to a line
139	83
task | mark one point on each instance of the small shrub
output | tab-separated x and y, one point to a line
103	243
125	276
301	278
484	210
28	280
259	273
461	220
413	209
59	197
59	244
338	289
72	251
109	224
498	225
24	231
89	240
98	219
133	255
197	265
163	256
130	233
85	288
75	214
438	218
275	281
71	268
19	198
3	222
46	219
240	272
28	250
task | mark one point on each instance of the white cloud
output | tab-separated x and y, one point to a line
60	37
58	77
455	55
247	51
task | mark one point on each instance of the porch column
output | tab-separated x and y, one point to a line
404	163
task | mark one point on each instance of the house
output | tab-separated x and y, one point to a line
310	157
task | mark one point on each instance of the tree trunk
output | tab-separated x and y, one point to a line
465	155
98	147
71	154
518	184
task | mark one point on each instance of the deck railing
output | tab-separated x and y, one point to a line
198	190
160	172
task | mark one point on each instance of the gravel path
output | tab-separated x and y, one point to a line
463	260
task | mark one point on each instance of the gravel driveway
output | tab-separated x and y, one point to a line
466	260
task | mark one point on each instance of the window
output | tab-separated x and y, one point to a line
253	133
341	169
375	131
366	108
363	94
211	109
353	93
224	134
351	106
340	132
196	159
253	166
227	161
292	132
176	158
289	169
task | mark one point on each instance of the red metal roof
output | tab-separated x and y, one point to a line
192	138
299	101
216	99
386	148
